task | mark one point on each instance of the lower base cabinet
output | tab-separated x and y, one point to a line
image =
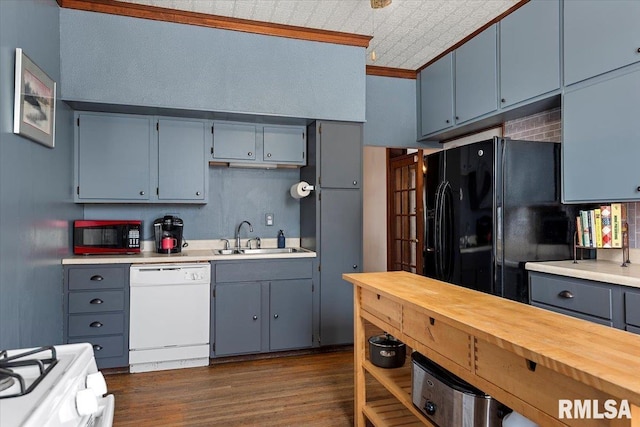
96	310
261	306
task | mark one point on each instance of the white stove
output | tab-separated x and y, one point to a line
57	386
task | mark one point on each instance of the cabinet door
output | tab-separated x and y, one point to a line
284	144
113	157
476	76
340	155
182	169
632	310
436	95
233	141
530	51
600	148
341	252
238	318
592	47
290	323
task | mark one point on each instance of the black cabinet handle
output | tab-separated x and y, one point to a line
96	324
355	182
255	317
565	294
531	365
97	278
97	347
355	266
275	316
142	193
249	154
638	50
96	301
448	121
638	189
502	100
197	193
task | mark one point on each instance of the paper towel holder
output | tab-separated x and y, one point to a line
301	189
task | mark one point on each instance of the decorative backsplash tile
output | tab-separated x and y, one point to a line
547	126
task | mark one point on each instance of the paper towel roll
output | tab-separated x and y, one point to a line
298	191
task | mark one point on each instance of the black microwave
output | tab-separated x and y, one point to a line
102	237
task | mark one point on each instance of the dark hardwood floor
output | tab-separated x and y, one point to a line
301	390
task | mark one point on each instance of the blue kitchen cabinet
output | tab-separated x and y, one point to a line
476	76
182	168
96	310
632	310
331	222
290	305
600	148
530	52
435	94
592	47
260	306
238	311
234	142
113	157
285	145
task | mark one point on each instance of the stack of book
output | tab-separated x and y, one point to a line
602	227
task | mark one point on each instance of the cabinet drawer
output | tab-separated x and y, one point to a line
443	339
632	308
533	383
571	294
96	324
93	302
97	278
382	307
575	314
111	346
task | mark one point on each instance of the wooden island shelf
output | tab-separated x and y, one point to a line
526	357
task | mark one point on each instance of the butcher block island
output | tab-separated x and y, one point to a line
539	363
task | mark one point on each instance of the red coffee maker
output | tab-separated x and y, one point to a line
168	231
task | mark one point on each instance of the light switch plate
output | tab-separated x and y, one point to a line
268	219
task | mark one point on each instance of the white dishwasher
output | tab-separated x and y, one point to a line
169	316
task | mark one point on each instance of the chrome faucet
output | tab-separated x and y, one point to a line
238	232
258	242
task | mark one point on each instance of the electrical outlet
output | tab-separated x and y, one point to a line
268	219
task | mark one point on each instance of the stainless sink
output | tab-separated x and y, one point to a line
261	251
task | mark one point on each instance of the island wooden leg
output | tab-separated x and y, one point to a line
359	355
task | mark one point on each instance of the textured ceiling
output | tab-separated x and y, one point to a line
407	34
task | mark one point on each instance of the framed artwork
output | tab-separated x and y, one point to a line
34	110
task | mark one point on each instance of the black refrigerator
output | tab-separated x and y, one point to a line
490	207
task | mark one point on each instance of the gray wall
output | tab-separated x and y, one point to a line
129	61
35	188
234	195
391	112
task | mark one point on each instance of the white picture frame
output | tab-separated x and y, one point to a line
34	111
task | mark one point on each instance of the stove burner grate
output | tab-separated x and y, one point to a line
44	366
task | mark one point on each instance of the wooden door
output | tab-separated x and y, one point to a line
405	213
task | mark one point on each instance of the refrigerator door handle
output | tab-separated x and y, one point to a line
437	241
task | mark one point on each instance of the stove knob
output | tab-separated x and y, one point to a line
97	383
86	402
430	407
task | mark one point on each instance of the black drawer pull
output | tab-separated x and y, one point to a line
97	347
96	324
565	294
432	321
97	278
96	301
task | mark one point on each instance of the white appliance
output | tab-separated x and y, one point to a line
169	316
57	386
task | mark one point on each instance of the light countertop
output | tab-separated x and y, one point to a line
608	270
197	251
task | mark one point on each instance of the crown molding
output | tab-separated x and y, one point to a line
374	70
213	21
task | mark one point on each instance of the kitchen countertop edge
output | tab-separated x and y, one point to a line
598	270
197	255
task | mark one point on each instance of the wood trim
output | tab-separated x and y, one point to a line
475	33
214	21
374	70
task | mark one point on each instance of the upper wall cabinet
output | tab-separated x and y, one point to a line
599	36
113	157
530	52
133	159
255	145
476	82
601	140
234	142
436	96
